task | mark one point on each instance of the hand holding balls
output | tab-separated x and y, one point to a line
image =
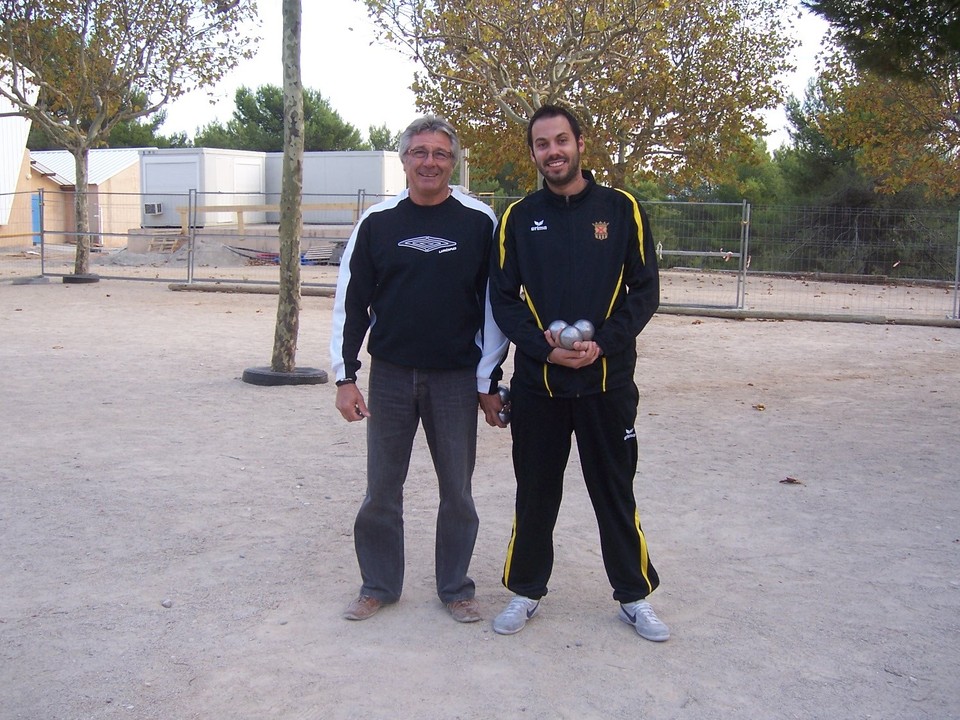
566	335
504	414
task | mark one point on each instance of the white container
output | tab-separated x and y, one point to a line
227	178
354	178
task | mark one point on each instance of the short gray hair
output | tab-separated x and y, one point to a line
429	123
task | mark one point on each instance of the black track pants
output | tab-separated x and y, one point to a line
542	428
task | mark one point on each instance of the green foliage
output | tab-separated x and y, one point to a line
895	38
812	167
145	133
753	177
257	124
382	139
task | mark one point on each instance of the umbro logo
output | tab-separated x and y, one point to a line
630	433
428	243
538	225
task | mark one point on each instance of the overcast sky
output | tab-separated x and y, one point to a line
367	83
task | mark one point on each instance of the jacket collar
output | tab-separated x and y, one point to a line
571	199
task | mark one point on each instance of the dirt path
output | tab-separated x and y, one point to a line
138	472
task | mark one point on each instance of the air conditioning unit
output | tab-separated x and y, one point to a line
153	208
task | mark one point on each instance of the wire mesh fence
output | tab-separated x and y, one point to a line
897	265
888	262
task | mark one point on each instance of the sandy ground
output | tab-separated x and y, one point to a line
138	471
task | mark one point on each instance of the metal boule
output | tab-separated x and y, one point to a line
504	413
555	328
586	328
568	336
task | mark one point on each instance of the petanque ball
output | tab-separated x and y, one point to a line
504	414
568	336
586	328
555	328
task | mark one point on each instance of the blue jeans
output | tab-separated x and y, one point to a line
446	402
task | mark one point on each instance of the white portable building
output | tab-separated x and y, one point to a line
227	178
354	178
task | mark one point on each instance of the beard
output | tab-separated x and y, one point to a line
561	177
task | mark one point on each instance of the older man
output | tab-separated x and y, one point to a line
414	274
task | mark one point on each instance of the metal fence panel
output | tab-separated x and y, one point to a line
888	263
701	248
818	262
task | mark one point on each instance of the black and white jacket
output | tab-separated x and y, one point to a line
416	277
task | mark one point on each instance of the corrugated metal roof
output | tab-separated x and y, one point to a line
40	169
103	164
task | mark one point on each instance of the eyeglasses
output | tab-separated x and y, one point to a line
421	154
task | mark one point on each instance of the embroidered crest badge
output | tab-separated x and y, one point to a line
600	231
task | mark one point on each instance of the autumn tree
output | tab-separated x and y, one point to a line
892	90
660	87
134	133
756	180
258	123
78	68
903	131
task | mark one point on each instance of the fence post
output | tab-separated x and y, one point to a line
191	231
956	276
744	256
43	246
361	200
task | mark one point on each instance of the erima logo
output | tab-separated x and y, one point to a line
538	225
428	243
630	433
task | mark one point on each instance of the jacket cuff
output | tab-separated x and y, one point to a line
487	386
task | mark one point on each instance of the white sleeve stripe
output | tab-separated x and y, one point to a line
337	361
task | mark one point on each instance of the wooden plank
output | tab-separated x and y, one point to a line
241	209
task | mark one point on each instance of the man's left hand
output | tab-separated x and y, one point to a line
491	405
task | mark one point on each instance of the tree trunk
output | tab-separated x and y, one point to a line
81	206
291	214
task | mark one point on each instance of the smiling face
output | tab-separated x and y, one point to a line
428	164
556	153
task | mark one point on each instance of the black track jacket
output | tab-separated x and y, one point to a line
590	256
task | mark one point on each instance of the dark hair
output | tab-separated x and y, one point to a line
550	111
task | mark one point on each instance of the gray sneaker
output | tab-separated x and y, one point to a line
644	621
515	615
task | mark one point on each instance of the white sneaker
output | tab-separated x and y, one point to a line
644	621
515	615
